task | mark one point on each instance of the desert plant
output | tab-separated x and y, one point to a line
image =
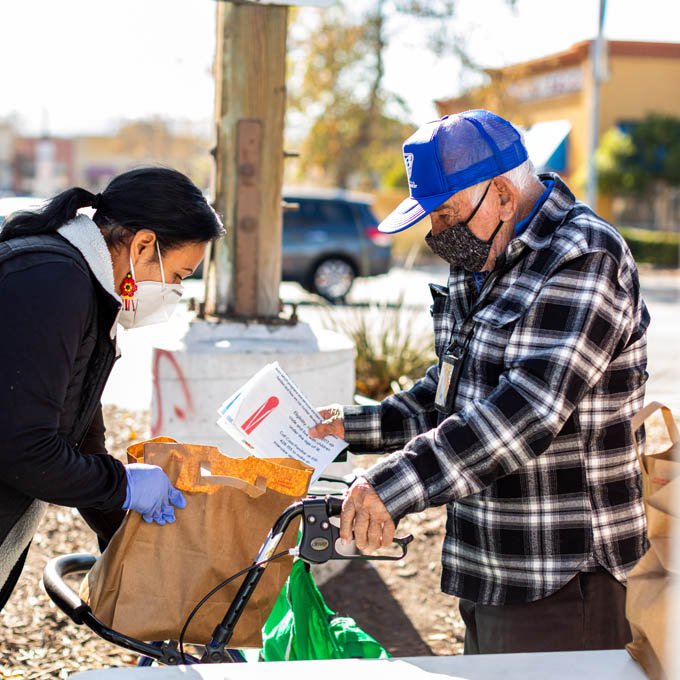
394	349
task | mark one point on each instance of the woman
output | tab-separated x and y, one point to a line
66	281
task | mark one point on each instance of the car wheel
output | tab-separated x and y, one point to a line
332	278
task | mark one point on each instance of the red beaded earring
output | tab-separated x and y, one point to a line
127	292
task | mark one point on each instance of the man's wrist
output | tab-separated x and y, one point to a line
362	426
397	485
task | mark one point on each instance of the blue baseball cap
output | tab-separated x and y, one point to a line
451	154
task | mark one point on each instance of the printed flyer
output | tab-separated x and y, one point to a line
270	418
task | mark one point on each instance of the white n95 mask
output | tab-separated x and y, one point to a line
153	301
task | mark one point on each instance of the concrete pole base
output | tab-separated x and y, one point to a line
213	360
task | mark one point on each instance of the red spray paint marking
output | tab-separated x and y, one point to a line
180	413
260	414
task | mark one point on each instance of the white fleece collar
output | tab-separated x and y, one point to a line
85	235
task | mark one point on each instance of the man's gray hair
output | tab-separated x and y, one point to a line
520	177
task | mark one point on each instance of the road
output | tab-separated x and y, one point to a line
130	383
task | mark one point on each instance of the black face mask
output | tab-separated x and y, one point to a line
459	246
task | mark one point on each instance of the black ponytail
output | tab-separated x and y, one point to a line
160	199
55	214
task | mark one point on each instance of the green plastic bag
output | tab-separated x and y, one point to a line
302	627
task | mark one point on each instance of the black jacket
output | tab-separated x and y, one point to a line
56	354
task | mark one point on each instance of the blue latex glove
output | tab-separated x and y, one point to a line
150	493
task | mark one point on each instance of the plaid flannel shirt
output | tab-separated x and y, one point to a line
535	463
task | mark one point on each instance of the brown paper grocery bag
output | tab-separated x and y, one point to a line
653	584
659	468
150	577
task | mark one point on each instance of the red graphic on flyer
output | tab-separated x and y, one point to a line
260	414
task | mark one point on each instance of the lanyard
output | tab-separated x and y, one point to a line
453	358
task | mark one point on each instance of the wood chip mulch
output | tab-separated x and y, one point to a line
399	603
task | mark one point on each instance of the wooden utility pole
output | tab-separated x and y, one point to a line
244	269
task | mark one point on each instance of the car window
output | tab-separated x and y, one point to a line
315	213
304	214
335	212
366	216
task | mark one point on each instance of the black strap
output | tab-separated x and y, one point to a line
458	347
49	243
13	577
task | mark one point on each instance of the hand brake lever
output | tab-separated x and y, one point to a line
320	534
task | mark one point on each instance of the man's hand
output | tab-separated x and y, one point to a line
365	513
333	423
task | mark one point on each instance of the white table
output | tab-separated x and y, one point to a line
602	665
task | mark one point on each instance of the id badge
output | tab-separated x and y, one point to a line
448	376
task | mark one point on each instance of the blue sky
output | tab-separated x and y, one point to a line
85	65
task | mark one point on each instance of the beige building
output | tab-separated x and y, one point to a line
551	98
99	158
43	166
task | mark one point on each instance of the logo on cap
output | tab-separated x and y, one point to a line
408	160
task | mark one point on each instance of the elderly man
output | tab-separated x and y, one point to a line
523	428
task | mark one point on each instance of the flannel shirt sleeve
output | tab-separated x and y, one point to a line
396	420
559	349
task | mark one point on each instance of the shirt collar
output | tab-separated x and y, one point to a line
86	236
540	229
522	224
535	231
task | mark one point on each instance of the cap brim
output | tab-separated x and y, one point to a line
410	211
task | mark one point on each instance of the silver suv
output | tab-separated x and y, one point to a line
329	238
